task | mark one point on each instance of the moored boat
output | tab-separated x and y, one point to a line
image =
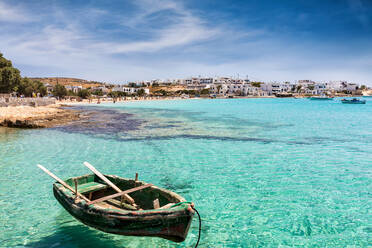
321	98
353	101
103	202
283	94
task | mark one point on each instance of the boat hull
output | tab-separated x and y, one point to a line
354	102
321	98
171	224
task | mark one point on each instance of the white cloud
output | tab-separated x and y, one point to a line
9	13
187	31
60	44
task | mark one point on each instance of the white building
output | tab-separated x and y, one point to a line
320	89
74	88
276	88
219	89
206	80
250	90
104	89
130	90
49	88
351	87
341	86
336	85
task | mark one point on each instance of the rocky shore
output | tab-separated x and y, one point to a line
37	117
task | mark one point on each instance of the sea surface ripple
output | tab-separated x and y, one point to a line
261	172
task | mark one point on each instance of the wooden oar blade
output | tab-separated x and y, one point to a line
106	180
61	182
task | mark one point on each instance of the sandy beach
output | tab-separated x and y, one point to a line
36	117
110	100
56	114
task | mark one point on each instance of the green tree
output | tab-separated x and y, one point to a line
98	92
161	92
117	94
298	88
310	87
204	92
27	87
84	93
11	80
4	62
363	87
10	77
256	84
113	94
71	93
140	92
59	91
42	89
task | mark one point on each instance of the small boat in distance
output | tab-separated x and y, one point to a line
103	202
353	101
283	94
323	97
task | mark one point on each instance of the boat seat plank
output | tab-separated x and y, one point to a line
91	187
120	194
119	204
156	203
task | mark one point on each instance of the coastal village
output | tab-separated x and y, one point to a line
17	90
19	96
219	87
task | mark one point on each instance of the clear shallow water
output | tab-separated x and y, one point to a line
262	172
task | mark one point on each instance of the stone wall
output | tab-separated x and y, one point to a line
28	101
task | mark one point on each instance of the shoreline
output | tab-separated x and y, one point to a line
110	100
59	114
37	117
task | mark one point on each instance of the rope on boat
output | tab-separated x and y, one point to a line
180	203
200	222
197	243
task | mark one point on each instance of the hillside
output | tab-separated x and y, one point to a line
168	88
68	81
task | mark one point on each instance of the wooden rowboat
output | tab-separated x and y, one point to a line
321	98
353	101
157	212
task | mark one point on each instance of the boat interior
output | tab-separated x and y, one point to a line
145	196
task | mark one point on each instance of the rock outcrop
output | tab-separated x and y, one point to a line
39	117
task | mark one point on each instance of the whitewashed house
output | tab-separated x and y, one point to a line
130	90
73	88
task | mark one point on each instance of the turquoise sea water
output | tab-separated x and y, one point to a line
262	172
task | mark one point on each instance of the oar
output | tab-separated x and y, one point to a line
62	182
100	175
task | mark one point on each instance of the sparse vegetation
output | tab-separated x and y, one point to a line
256	84
204	92
140	92
84	93
59	91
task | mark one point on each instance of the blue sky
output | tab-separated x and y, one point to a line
117	41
